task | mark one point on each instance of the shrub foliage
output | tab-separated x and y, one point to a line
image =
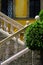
34	36
41	15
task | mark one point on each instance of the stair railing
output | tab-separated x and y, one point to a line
19	54
14	34
8	20
13	39
16	56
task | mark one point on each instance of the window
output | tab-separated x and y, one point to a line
10	8
34	8
4	5
7	7
21	8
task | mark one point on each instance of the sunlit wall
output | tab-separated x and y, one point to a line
20	8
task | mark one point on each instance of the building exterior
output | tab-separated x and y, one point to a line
21	9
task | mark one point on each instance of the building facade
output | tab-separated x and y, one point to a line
21	9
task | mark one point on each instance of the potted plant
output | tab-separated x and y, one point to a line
34	36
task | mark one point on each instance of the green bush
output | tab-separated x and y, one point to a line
41	15
34	36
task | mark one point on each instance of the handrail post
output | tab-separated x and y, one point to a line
0	24
11	29
7	50
16	45
5	25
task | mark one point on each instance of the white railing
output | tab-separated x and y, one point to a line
16	42
14	38
17	25
14	34
19	54
11	21
10	36
5	21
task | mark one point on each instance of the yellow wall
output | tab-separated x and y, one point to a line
23	22
21	8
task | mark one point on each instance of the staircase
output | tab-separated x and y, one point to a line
12	41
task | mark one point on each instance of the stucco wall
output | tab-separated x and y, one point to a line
20	8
